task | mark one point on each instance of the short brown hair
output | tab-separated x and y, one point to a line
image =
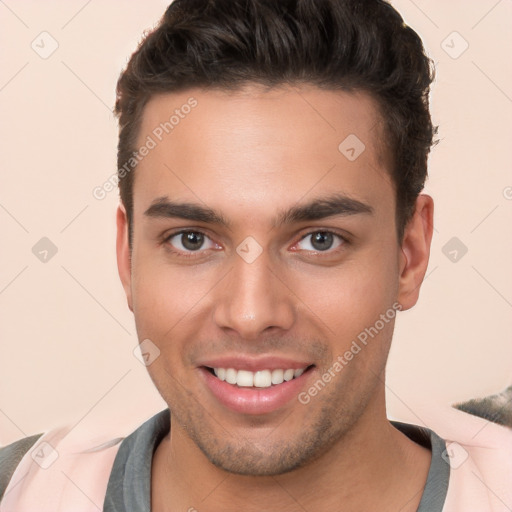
335	44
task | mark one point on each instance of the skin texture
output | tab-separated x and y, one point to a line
249	155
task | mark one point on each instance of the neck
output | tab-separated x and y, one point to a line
372	466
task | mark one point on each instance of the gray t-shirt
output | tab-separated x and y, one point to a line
129	486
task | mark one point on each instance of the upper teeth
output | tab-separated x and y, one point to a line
259	379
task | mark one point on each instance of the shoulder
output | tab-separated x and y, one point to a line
10	457
478	452
70	467
65	468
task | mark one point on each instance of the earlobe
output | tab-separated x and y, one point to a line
123	253
415	251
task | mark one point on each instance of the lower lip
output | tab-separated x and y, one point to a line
252	400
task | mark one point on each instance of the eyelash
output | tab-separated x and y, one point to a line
195	254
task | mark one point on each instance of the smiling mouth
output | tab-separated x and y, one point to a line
258	379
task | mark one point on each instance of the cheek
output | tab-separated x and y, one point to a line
347	299
165	303
342	300
164	296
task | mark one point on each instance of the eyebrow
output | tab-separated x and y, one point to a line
320	208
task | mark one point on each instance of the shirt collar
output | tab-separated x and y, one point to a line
129	485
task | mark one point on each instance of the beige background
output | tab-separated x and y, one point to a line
67	336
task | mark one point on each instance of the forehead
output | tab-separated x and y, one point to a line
247	149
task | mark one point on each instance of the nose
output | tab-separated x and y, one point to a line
254	299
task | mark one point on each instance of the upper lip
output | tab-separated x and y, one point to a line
255	364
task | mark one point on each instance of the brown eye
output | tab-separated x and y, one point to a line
189	241
321	241
192	241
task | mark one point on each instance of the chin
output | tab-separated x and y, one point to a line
277	457
254	463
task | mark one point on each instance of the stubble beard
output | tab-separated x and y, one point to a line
275	454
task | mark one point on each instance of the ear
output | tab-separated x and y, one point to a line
415	251
123	253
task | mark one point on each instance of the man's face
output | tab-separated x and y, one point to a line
264	293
